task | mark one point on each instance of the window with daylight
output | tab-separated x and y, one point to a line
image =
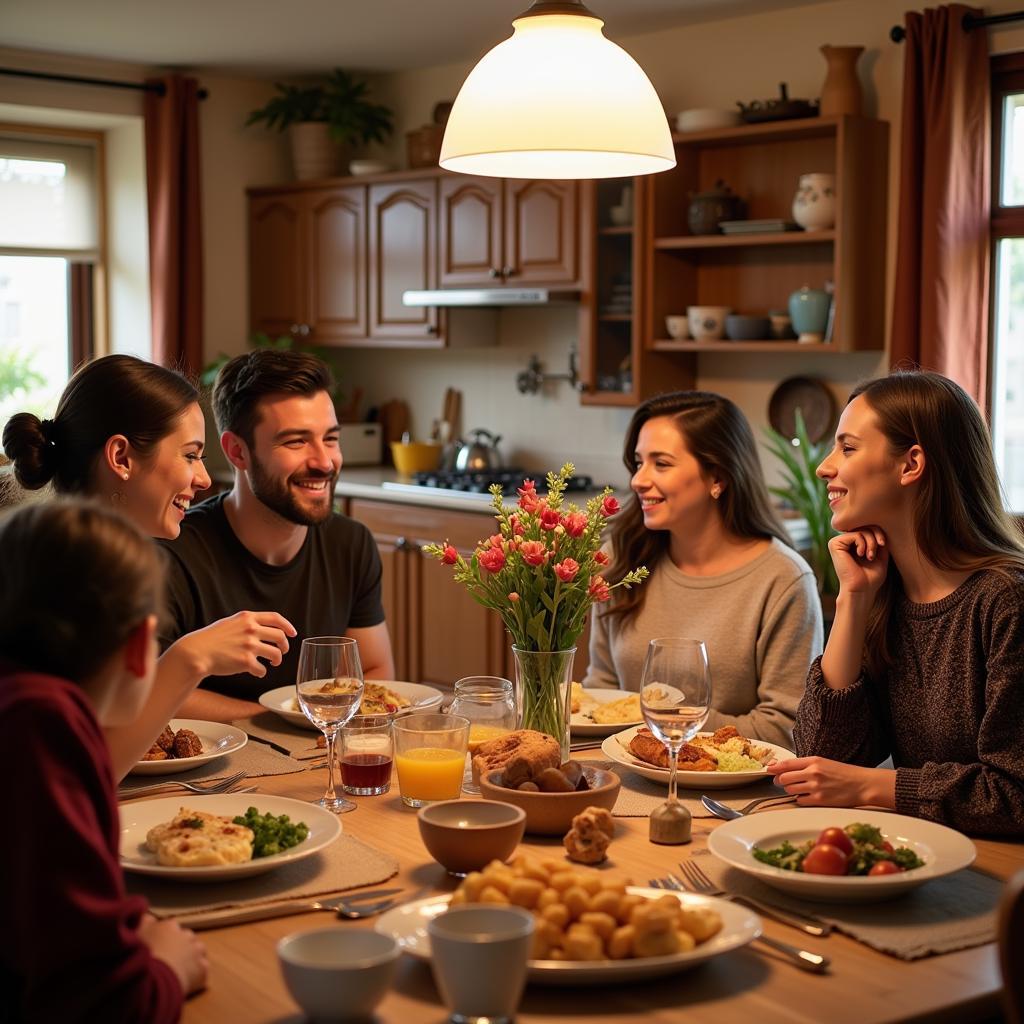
1007	362
50	255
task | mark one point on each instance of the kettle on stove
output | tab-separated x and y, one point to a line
479	454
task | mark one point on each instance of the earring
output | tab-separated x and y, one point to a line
716	491
125	475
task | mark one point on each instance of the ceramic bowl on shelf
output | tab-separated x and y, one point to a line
466	835
678	327
701	119
707	323
620	215
740	327
369	167
551	814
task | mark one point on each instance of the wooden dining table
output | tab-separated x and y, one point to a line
751	984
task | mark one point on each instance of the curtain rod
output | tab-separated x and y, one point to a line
969	21
107	83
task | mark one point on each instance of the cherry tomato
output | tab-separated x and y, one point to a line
825	859
885	867
887	846
836	837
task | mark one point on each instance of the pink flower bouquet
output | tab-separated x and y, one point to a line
542	571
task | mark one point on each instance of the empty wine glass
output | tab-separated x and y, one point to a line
329	687
675	698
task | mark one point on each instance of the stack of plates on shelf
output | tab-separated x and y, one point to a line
621	298
756	227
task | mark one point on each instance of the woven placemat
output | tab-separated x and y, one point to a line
271	728
255	759
940	916
639	795
346	864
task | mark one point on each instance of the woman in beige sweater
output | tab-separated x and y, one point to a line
722	568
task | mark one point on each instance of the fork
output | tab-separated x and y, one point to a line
343	906
720	810
205	788
695	878
802	958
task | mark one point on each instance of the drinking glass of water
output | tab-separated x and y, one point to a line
329	687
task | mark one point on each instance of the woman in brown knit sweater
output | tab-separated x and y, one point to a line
925	662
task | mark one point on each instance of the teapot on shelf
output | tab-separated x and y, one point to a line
706	209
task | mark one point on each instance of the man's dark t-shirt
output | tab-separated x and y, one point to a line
332	585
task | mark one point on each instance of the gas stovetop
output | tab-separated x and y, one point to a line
478	484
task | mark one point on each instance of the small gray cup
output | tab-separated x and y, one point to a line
479	954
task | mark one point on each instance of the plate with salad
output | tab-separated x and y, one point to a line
841	855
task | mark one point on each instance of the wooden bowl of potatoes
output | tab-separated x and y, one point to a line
551	814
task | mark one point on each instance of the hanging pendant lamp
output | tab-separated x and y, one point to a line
557	100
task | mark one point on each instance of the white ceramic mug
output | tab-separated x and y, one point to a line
478	954
677	326
707	323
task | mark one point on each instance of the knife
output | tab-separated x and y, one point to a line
266	911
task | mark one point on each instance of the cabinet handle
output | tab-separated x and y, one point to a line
431	328
304	330
401	544
294	329
507	272
495	273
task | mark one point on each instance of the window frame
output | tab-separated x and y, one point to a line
88	292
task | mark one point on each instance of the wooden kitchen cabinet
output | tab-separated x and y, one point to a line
438	632
307	264
403	257
496	232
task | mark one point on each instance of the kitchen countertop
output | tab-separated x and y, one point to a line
374	483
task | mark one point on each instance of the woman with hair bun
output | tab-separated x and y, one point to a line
131	433
722	568
925	661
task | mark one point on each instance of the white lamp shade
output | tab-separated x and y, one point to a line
557	100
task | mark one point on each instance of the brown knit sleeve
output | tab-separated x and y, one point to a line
986	797
839	724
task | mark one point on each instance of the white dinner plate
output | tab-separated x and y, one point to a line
282	700
139	816
581	725
617	748
407	924
217	739
942	849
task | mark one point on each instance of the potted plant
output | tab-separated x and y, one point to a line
808	494
321	118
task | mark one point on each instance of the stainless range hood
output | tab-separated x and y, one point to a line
450	297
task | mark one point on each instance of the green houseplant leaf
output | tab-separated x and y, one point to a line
808	494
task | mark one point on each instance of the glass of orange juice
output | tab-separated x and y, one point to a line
430	756
489	704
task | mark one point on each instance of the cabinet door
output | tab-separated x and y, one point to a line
337	267
470	230
541	243
403	256
277	264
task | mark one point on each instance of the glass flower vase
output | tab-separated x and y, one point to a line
544	692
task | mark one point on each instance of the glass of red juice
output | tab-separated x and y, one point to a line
367	754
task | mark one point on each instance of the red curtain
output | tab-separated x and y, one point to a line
940	307
175	230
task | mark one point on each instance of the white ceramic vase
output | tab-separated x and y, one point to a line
814	205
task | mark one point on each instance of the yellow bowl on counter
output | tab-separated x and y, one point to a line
415	456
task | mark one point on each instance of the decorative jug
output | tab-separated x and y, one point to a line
814	205
808	310
706	209
841	92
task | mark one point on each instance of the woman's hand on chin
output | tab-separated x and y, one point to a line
861	558
819	782
239	643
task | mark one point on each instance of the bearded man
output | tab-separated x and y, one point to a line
274	541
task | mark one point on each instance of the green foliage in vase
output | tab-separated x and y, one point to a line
808	494
341	101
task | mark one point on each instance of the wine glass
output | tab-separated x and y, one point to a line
329	687
675	698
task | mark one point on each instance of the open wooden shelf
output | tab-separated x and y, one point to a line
743	241
616	229
772	345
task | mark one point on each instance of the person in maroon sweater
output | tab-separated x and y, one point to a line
925	661
78	612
